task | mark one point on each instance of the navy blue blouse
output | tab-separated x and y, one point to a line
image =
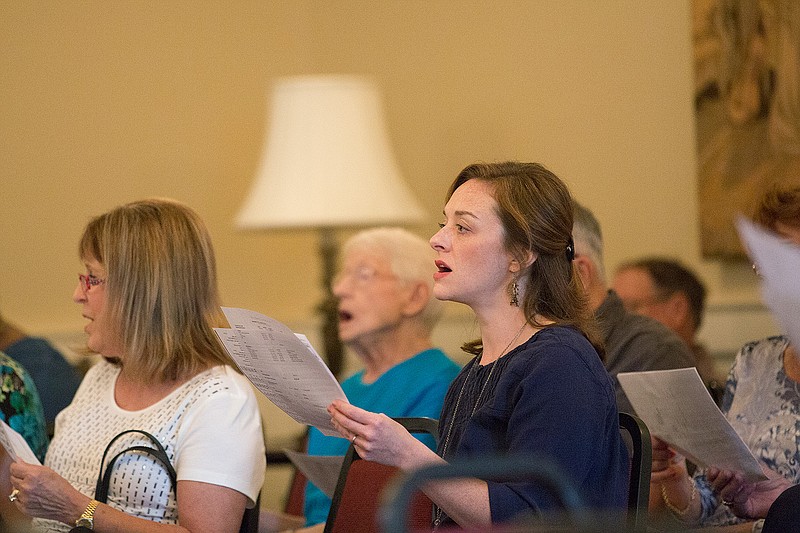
551	397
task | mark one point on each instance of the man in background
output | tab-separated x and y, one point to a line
633	342
667	291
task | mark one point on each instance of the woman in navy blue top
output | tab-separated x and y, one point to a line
537	385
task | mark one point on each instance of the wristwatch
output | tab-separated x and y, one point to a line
87	518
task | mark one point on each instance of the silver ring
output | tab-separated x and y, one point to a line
13	496
727	503
353	440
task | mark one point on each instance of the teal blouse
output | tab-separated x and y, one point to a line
415	387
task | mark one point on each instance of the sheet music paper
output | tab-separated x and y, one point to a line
282	365
778	264
321	470
678	409
15	445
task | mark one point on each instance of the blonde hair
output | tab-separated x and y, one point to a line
410	257
161	286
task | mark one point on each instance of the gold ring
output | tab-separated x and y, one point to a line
13	496
353	440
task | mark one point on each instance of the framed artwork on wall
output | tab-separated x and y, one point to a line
747	110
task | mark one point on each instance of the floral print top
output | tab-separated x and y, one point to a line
763	405
20	406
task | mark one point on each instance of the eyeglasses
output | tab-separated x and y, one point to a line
360	276
89	281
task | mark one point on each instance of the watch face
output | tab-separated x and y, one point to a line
85	522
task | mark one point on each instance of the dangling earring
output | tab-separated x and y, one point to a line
514	294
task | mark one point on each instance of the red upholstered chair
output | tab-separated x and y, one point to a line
296	496
356	510
355	503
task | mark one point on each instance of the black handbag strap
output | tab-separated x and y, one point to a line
104	478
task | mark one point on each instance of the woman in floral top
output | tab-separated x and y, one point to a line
762	403
20	406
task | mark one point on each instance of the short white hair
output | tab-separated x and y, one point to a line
410	257
588	237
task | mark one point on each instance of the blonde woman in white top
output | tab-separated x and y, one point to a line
149	294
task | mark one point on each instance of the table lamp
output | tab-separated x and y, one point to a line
327	163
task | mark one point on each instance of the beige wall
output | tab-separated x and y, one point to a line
107	103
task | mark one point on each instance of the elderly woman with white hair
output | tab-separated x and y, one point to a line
386	315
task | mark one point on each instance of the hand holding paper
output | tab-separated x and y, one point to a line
15	445
282	365
677	408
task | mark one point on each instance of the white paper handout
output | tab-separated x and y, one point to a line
15	445
282	365
778	264
678	409
321	470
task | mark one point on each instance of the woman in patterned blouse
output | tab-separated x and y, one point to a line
762	403
21	409
20	406
149	295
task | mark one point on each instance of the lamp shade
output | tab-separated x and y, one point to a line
327	160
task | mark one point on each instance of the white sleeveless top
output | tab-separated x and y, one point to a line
210	427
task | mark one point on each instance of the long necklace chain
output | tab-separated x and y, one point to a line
472	371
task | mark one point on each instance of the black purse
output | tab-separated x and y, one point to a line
104	478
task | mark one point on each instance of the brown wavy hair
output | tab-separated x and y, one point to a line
535	208
779	205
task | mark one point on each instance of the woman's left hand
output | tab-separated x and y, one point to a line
378	438
44	494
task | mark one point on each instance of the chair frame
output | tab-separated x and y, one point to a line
641	467
412	424
393	515
250	517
